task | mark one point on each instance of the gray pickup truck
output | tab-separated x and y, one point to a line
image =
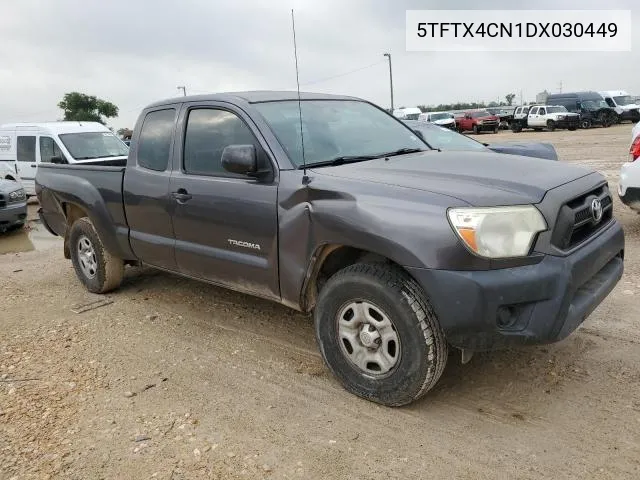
330	205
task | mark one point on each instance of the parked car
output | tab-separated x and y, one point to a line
13	205
446	139
539	117
443	119
8	173
400	251
591	106
624	104
478	121
27	145
629	184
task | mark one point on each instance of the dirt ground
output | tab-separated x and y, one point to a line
176	379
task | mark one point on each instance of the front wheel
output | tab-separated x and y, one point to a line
476	130
378	334
97	269
551	125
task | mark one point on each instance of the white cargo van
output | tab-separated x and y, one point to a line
24	145
407	113
624	104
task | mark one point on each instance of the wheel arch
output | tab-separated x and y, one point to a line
330	258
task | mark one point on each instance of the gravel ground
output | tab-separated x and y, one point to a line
175	379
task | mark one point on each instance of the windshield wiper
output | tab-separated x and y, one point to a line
340	161
359	158
402	151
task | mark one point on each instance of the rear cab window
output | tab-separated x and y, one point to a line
154	143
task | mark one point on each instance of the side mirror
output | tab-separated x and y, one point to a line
58	160
241	159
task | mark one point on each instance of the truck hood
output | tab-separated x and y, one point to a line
477	178
631	106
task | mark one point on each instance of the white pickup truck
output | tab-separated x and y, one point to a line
539	117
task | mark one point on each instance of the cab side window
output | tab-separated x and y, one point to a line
534	111
26	149
49	149
542	111
208	132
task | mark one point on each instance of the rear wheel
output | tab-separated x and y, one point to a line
585	123
97	269
378	334
551	125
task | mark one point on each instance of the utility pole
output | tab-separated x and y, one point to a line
560	87
184	90
388	55
521	101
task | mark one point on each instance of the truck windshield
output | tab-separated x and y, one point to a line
623	100
556	109
89	145
336	128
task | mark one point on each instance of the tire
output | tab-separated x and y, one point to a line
516	127
551	125
537	129
421	349
107	269
572	129
476	130
495	130
585	123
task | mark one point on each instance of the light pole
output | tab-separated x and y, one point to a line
388	55
184	90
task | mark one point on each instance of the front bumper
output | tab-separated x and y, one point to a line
630	197
534	304
13	214
573	122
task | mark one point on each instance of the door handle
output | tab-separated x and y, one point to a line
181	196
33	166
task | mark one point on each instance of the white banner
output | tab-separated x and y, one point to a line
519	30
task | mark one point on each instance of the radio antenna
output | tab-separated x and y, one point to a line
295	54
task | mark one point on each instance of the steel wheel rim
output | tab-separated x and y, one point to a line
87	257
368	338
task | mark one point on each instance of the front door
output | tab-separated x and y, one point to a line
533	119
225	224
26	161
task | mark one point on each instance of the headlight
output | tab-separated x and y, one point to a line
17	195
480	122
498	232
562	117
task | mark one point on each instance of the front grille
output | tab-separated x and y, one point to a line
575	222
3	202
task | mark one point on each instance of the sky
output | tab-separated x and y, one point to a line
135	52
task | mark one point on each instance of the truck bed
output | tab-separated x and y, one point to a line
94	187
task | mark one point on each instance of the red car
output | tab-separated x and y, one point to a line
478	121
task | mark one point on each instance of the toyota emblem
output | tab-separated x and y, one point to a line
596	210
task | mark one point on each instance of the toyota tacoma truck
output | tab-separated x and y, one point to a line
328	204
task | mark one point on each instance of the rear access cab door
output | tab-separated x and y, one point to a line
148	205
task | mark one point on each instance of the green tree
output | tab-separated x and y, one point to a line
81	107
509	97
125	133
